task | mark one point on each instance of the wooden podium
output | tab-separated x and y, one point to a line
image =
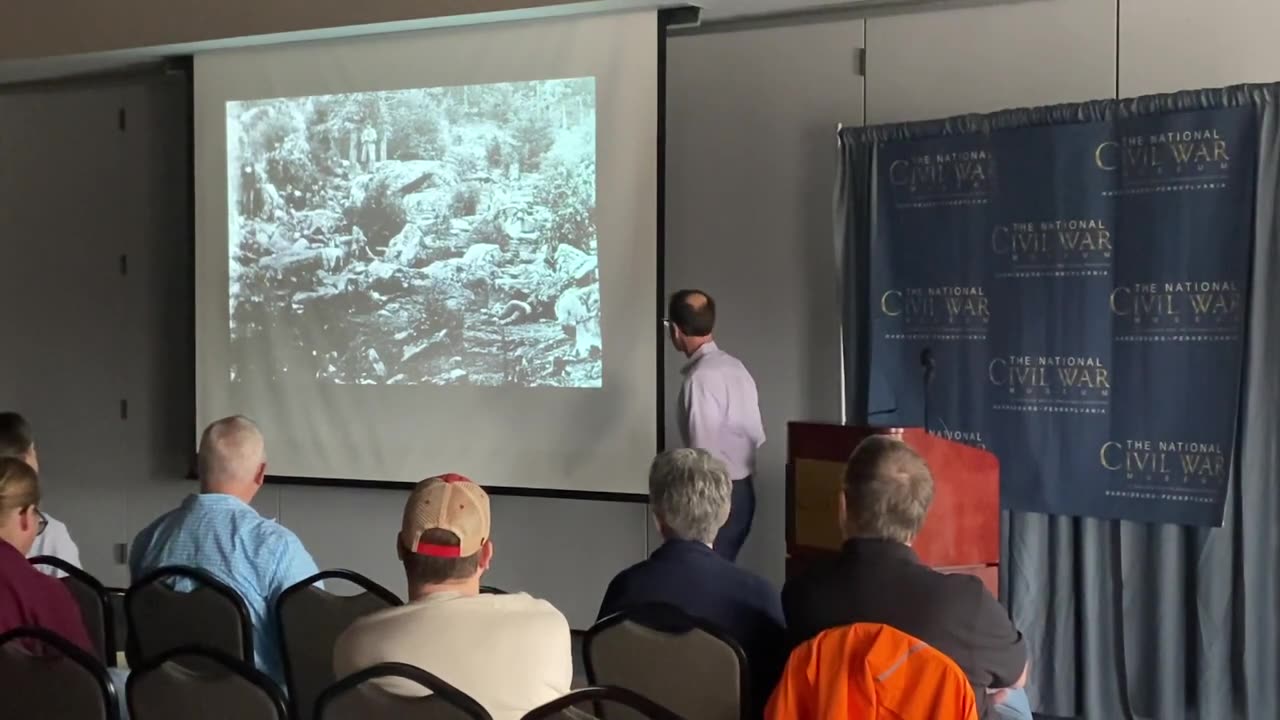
961	533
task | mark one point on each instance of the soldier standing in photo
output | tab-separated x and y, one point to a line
368	146
248	191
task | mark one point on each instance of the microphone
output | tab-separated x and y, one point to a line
928	369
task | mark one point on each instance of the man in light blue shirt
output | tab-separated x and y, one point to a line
218	532
718	409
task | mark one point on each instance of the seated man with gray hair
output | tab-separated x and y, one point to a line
878	578
689	492
219	532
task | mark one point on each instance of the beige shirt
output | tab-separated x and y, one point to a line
511	653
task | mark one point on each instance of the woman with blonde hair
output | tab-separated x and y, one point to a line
29	598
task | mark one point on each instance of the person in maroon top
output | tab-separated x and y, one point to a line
29	598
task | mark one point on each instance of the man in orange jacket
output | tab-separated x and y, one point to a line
863	671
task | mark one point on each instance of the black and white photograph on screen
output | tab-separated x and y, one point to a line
434	236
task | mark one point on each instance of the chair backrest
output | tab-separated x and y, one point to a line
679	661
392	691
43	675
311	619
576	640
491	590
211	616
94	603
605	702
119	621
202	684
871	670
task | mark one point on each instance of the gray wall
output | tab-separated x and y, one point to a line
751	120
750	163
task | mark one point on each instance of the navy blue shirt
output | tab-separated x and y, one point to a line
692	577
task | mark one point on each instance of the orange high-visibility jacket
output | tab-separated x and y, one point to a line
871	672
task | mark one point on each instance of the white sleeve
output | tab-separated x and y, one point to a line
66	548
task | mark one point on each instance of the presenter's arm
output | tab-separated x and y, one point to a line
757	430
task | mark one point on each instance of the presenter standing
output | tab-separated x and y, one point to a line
718	409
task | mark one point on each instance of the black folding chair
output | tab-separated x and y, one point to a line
393	691
94	602
43	675
601	700
119	621
576	640
311	619
211	615
196	683
680	661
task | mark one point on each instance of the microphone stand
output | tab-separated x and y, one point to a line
928	367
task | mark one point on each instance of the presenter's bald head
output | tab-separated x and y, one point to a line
691	319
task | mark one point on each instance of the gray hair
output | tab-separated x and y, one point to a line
689	493
231	451
887	490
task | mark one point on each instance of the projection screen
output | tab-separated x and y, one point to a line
435	252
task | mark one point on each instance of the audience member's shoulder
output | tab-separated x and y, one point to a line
50	589
270	534
814	577
520	602
634	574
530	609
960	590
151	527
751	581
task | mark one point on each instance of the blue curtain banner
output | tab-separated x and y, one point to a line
1080	293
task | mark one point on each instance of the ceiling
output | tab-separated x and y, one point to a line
713	12
730	11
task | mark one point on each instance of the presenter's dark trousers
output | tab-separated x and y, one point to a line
743	508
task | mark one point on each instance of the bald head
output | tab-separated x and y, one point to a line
692	312
233	457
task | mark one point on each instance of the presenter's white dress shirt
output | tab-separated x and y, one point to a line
719	410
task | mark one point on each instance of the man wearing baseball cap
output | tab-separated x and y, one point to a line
511	653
